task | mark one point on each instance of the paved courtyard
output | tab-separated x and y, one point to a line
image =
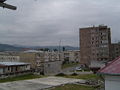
38	84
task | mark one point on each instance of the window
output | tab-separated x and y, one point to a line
92	38
92	42
97	54
116	48
97	45
48	65
8	68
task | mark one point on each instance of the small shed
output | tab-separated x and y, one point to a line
111	74
13	67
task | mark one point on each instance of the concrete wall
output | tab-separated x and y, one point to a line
1	70
51	68
112	82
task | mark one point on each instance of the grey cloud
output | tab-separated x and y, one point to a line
46	22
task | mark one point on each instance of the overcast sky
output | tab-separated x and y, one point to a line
46	22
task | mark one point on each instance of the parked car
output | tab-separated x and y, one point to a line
78	68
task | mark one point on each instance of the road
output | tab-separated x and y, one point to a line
71	70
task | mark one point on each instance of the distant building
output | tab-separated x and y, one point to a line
71	56
43	62
111	74
115	50
13	69
94	44
29	57
8	58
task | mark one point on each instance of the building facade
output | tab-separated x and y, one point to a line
14	69
70	56
8	58
115	50
41	59
52	68
94	44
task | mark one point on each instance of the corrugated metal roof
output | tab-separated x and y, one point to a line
113	68
33	51
13	63
95	63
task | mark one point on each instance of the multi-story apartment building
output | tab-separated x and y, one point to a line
115	50
94	44
44	62
8	58
70	56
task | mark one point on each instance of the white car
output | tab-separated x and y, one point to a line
78	68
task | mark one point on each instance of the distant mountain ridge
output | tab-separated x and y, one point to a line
7	47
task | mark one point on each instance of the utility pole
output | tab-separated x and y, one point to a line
59	48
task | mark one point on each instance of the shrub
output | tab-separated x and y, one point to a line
61	74
74	74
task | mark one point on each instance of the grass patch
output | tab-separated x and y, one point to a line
23	77
83	76
69	65
78	87
73	87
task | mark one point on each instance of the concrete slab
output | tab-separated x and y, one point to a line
54	81
37	84
22	85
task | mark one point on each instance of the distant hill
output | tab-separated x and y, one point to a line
7	47
50	47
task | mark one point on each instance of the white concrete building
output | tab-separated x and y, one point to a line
71	56
44	62
9	58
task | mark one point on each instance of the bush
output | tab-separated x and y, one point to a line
74	74
61	74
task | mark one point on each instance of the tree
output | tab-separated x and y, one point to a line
55	50
63	48
46	49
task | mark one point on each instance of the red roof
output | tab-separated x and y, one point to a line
113	68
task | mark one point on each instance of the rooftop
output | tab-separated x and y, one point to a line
95	27
113	68
32	51
12	63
